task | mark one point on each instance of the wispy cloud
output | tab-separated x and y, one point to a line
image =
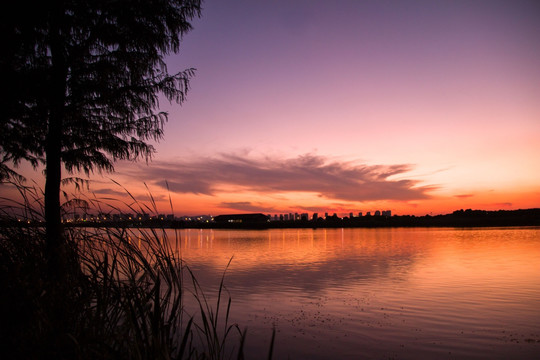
314	209
246	206
503	205
108	191
339	180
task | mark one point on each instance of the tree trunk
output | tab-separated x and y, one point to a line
53	147
54	236
59	289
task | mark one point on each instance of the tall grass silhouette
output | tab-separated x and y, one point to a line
125	298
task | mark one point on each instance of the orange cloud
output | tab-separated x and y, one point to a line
307	173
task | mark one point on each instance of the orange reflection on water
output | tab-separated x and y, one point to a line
292	246
379	292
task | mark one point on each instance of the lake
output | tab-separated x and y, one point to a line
390	293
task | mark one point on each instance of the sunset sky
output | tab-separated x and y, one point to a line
335	106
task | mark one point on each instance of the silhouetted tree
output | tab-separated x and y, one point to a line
81	82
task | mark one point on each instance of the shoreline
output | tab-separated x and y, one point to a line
459	219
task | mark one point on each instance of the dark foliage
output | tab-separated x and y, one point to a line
96	68
80	87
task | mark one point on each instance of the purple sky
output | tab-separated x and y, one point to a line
414	106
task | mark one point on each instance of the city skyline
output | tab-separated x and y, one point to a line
459	218
420	107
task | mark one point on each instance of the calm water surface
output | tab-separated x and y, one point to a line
378	293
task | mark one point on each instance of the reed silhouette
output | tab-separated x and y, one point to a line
124	297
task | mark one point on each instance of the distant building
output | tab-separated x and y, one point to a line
360	214
377	213
143	216
244	219
315	216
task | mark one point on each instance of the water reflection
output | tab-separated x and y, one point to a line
379	293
